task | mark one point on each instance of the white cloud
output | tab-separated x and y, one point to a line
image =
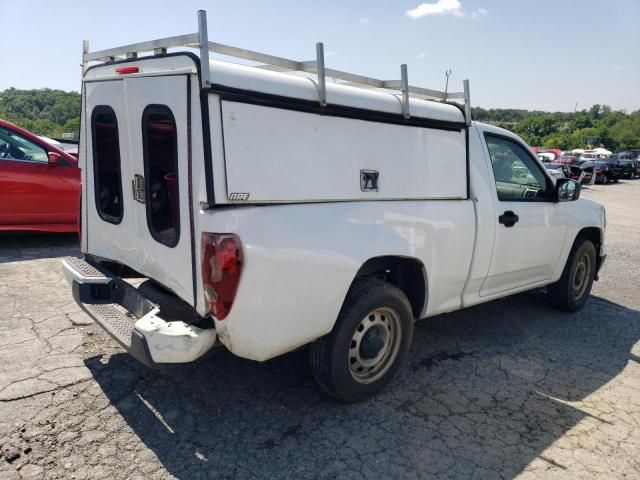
483	11
480	12
441	7
422	54
365	20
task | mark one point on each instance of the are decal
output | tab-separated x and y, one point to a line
238	196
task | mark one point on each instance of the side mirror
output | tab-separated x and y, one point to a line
54	158
567	190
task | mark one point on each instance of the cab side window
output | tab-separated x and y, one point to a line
14	146
518	177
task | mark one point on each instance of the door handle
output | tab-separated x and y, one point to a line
137	184
508	219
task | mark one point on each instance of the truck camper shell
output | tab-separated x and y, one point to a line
276	130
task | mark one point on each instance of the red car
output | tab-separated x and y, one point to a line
39	184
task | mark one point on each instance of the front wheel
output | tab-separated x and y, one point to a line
368	344
572	291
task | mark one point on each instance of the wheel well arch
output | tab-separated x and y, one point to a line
406	273
594	234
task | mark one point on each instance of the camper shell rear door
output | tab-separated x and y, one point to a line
137	191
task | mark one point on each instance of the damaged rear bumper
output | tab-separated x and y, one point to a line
132	320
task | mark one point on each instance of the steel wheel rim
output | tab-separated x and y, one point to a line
380	328
581	276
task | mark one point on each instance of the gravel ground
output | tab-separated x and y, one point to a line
507	389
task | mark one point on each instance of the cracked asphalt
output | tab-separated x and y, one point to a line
507	389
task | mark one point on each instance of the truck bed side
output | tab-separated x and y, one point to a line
301	259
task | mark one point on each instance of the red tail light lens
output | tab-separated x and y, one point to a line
221	268
127	70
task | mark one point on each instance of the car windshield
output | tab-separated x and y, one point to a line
553	166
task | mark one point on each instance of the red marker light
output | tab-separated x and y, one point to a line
126	70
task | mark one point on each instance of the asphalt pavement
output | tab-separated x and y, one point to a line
512	388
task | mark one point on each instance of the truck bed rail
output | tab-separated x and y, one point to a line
199	40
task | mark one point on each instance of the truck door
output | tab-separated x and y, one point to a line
137	155
530	228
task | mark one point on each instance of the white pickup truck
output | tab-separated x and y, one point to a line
265	209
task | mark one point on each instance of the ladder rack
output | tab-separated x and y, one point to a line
199	40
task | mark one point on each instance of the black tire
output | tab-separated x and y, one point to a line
572	291
334	359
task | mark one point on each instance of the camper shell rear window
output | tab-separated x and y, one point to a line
160	149
107	176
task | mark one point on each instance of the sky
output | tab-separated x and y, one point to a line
534	54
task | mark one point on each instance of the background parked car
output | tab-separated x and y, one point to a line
603	172
553	153
622	165
546	156
557	170
67	146
633	156
589	156
39	183
567	158
587	169
576	173
562	170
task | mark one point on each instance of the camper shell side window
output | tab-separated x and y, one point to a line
160	149
107	176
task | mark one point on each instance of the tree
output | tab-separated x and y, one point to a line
44	111
581	120
579	137
533	129
557	140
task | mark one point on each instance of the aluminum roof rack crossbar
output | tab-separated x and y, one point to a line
200	41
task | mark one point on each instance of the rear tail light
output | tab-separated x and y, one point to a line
221	267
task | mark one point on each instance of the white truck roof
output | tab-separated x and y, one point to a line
266	76
283	131
304	88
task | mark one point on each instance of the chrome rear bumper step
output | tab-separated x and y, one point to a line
131	319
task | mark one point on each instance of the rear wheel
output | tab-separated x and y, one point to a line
368	344
572	291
